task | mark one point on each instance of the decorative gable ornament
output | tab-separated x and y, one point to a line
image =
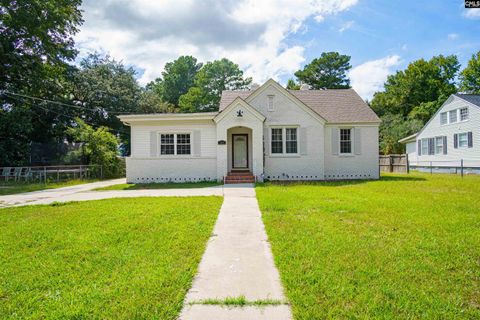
240	113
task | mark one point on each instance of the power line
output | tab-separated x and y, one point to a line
73	117
8	93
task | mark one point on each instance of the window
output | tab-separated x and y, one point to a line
464	114
345	141
463	140
270	103
453	116
167	144
439	145
443	118
424	146
291	140
173	143
277	141
183	143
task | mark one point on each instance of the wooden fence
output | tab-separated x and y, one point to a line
394	163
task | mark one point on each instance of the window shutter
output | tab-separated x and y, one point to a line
455	141
303	140
357	135
470	139
419	147
431	146
197	143
444	144
266	140
335	137
153	144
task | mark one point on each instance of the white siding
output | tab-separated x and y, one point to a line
356	166
141	167
411	149
434	129
309	166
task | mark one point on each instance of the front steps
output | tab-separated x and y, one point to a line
239	177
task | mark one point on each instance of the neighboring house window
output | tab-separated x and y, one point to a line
277	141
453	116
439	145
173	143
271	106
463	140
183	143
464	114
167	144
443	118
345	141
424	146
291	140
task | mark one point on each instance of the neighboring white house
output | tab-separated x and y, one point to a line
266	133
450	137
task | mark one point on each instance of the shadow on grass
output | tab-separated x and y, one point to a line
339	183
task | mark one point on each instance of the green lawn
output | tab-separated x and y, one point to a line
168	185
109	259
404	247
11	187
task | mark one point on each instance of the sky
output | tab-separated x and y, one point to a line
275	38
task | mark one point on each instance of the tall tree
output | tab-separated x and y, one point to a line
211	80
470	76
292	85
177	78
412	96
328	71
36	44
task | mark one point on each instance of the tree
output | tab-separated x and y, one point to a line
210	81
292	85
150	102
328	71
36	44
423	81
470	76
178	78
98	146
103	88
393	128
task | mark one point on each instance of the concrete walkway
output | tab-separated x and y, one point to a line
82	192
237	262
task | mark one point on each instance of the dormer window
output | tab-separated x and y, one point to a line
464	114
271	105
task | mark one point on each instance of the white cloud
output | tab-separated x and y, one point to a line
452	36
370	76
472	13
347	25
252	33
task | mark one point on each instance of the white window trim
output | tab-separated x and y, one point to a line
440	138
466	135
445	113
460	114
340	153
457	111
284	141
424	143
271	98
175	133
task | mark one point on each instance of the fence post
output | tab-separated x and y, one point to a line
408	163
101	172
45	174
461	167
431	168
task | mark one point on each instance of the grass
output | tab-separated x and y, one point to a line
10	187
168	185
406	246
239	301
109	259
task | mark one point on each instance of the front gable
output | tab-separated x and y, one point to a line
239	112
258	99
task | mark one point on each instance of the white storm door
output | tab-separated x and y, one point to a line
240	151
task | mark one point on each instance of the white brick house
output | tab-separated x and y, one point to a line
450	137
270	133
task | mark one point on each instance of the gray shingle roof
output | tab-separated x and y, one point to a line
334	105
472	98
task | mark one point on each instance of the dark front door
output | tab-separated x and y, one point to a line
240	151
